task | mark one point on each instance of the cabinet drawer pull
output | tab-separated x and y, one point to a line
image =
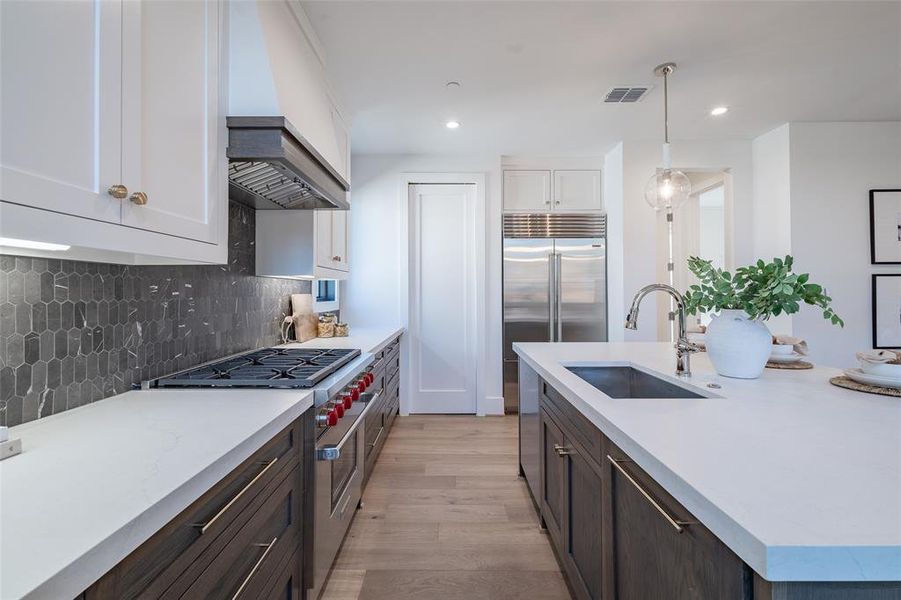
205	526
256	566
677	525
376	440
117	191
336	258
562	450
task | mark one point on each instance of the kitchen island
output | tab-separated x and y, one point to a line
798	478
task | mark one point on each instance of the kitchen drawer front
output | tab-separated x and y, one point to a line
150	570
392	362
578	427
655	547
246	566
287	584
391	381
391	411
374	430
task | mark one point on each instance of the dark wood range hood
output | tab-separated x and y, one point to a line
271	167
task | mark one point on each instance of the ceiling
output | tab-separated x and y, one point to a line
534	74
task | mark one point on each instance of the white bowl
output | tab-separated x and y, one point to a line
783	349
881	369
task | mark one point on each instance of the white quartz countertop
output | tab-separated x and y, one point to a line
93	483
800	478
367	339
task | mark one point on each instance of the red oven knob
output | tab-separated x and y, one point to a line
369	378
348	401
361	385
355	393
339	410
332	418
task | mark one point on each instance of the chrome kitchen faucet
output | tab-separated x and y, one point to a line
684	348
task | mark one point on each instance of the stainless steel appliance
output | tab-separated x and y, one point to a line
272	166
344	388
555	284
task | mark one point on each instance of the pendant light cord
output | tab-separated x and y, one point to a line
666	72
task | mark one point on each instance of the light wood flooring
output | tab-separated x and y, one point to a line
446	516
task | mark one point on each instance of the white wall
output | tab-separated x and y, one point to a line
373	295
613	204
639	221
833	167
772	204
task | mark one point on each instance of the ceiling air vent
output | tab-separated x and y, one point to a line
624	95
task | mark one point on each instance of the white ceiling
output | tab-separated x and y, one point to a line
534	74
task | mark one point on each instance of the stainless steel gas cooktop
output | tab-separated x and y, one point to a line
264	368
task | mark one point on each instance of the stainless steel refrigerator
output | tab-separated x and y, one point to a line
555	284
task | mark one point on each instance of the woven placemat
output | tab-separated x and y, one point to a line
845	382
795	366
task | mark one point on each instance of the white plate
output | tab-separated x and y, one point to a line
785	358
868	379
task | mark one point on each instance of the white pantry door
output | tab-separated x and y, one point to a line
443	333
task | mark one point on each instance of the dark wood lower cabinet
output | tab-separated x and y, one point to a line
618	535
246	537
553	480
656	549
582	557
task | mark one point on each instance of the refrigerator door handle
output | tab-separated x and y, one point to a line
551	295
558	293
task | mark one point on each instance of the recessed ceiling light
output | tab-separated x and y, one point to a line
452	84
452	124
719	110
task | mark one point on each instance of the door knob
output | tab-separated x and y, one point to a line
139	198
117	191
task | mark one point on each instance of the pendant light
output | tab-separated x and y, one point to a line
668	188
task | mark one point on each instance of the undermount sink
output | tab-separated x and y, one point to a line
629	382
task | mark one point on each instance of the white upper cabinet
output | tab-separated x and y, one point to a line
563	190
577	190
113	128
171	120
527	191
331	240
60	133
303	244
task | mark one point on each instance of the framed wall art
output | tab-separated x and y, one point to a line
887	311
885	227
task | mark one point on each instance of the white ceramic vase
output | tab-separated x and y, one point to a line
738	345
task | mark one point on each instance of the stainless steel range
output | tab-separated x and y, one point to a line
341	381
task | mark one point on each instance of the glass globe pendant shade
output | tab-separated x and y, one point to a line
668	189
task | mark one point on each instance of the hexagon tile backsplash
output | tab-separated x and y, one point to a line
75	332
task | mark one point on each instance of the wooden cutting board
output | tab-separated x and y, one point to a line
306	324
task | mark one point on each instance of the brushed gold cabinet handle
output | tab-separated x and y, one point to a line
139	198
678	526
204	527
336	258
256	566
117	191
562	450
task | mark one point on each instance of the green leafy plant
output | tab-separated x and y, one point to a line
762	290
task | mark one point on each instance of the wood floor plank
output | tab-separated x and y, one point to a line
440	556
344	585
463	585
446	516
